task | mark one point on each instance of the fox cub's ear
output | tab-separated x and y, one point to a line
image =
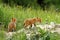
13	19
38	19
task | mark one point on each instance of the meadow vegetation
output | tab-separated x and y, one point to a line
7	12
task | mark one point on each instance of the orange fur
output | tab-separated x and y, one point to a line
12	25
31	21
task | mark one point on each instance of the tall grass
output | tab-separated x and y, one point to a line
7	12
21	14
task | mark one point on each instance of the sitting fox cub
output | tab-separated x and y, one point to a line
12	25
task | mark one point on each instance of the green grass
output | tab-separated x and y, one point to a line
24	13
2	35
20	36
55	36
6	13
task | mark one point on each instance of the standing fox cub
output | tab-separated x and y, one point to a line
12	25
31	21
